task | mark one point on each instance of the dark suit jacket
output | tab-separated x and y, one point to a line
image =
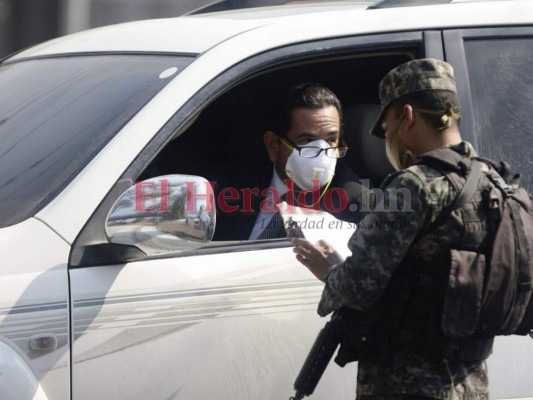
238	224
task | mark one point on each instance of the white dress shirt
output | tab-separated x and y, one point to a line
264	217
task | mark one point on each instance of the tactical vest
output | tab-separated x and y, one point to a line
412	314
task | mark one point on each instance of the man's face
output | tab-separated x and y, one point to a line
307	125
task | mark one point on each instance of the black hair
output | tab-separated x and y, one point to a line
306	95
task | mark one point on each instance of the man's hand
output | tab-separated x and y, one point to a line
318	258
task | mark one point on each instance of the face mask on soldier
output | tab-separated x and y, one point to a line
398	154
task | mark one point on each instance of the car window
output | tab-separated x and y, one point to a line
57	113
225	143
500	72
218	135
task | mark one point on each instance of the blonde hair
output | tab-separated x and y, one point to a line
439	108
446	116
397	152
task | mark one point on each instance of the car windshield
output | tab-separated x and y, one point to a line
57	113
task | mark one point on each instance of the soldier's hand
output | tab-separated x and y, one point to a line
318	258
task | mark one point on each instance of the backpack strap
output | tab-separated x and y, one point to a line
470	186
520	234
452	165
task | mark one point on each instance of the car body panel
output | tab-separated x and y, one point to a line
34	302
155	36
510	367
235	325
17	380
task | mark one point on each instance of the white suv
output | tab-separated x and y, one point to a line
97	302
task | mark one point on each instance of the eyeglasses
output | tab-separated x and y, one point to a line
314	151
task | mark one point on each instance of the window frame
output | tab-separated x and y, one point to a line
91	247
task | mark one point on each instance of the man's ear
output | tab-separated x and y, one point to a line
271	141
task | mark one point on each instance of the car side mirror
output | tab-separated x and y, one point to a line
165	214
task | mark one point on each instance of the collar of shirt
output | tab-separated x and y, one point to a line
277	184
464	148
264	218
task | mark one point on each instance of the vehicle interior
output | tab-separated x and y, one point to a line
225	142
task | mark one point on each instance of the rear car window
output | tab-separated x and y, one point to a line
57	113
500	73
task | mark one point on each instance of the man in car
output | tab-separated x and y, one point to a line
304	143
411	359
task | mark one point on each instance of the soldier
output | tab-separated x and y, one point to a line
420	113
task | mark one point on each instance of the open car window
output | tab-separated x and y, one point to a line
225	143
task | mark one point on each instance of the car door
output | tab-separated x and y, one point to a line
493	70
230	320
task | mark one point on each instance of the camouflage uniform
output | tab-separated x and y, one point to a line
413	199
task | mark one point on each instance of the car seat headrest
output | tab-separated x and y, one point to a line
367	153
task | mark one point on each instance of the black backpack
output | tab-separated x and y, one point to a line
489	293
489	287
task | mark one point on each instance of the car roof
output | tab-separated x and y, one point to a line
196	34
288	9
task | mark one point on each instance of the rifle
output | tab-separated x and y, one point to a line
318	358
349	328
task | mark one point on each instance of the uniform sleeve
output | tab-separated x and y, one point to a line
378	246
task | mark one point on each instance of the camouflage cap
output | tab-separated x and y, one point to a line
413	76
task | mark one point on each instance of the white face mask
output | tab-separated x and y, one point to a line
304	170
